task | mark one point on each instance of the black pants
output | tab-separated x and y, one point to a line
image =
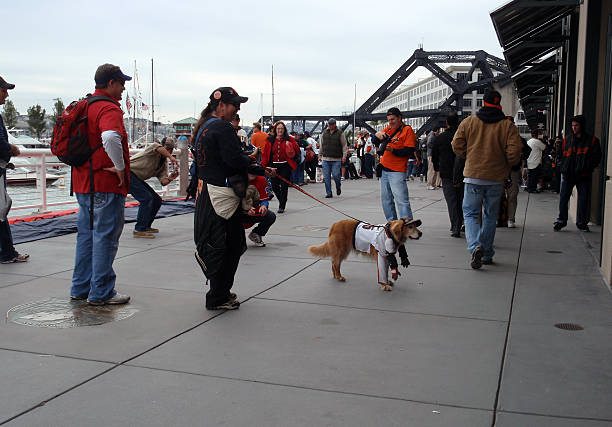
311	169
212	231
583	187
7	250
264	222
369	165
222	282
351	171
279	187
532	178
454	201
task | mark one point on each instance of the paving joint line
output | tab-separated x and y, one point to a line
351	307
507	337
44	402
300	387
63	356
564	417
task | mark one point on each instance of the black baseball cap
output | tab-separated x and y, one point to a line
227	95
5	85
107	72
394	111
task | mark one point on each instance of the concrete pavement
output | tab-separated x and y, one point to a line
450	346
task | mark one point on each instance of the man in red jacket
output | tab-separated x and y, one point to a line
103	199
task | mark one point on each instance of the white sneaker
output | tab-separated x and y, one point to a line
511	224
431	187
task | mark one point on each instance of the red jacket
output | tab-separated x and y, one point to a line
268	152
103	116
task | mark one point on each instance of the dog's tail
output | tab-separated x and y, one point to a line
320	251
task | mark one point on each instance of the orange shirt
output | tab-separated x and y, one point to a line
403	139
259	140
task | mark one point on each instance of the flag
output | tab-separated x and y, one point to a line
145	107
128	104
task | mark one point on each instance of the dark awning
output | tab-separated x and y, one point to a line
530	32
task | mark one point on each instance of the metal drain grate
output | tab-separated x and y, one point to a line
554	252
569	326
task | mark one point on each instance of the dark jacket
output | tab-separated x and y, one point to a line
580	156
219	154
5	147
442	154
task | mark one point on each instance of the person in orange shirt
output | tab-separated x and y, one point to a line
259	139
396	144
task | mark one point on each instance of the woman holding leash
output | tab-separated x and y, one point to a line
222	180
282	155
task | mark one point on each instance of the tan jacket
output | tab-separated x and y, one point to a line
149	163
490	149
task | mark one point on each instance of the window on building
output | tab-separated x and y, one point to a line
479	102
461	76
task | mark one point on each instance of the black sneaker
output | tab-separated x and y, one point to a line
559	225
584	228
228	305
487	261
280	210
329	196
338	191
476	261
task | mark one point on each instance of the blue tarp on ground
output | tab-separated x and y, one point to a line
44	228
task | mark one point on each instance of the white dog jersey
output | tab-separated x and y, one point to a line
376	235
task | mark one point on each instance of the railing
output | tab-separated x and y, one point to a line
41	159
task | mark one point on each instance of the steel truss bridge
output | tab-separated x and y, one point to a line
478	59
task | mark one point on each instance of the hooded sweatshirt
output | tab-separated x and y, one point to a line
489	143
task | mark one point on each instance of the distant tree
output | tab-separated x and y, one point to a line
9	114
36	120
58	110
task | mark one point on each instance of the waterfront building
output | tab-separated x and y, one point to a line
560	57
184	127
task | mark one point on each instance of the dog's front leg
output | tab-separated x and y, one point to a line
383	273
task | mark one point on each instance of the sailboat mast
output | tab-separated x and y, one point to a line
272	93
152	103
135	100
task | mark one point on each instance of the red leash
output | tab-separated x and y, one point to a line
313	197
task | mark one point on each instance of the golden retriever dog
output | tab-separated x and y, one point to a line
376	241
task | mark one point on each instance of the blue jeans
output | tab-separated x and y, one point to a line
149	200
393	189
474	197
331	168
583	187
93	275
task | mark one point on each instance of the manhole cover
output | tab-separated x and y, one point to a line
569	326
64	313
554	252
309	228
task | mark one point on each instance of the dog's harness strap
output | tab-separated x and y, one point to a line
355	233
390	235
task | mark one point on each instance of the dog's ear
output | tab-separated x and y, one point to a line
405	221
415	222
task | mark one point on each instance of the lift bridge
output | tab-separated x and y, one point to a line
478	59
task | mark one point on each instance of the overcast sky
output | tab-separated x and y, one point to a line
320	49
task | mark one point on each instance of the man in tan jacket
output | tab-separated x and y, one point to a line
491	145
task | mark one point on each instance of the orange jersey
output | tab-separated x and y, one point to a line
403	139
259	140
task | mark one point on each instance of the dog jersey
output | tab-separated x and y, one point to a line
375	235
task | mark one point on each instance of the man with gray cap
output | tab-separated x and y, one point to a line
332	154
150	162
8	254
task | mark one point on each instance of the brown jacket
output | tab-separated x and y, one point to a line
490	149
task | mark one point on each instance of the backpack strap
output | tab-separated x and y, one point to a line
90	100
95	98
